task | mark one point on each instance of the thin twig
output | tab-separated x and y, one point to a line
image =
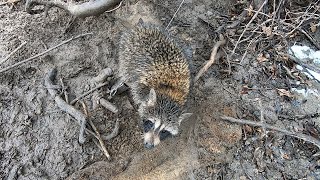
88	92
301	22
102	145
86	129
301	136
109	11
12	2
64	90
228	60
221	42
174	15
246	27
14	51
240	17
313	41
262	120
42	53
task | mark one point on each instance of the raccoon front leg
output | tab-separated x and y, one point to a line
130	98
116	86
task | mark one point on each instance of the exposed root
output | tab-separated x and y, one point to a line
65	106
301	136
103	74
78	115
108	105
91	8
100	78
208	64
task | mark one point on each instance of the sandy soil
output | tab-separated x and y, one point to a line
38	141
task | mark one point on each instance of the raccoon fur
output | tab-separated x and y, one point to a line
157	72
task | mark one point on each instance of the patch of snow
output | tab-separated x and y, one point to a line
310	73
306	92
305	53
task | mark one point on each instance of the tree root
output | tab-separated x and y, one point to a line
65	106
301	136
78	115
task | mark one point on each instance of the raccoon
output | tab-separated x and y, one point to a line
158	75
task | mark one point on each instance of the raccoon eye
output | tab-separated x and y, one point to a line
147	125
164	134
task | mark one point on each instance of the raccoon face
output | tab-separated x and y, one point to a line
161	119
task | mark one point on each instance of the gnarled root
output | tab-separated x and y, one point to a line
91	8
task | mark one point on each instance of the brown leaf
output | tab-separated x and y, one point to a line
244	89
283	92
267	30
286	156
247	128
261	58
313	27
250	11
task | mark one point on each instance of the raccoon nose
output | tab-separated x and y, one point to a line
148	145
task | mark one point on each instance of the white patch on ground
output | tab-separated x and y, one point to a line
310	73
306	92
305	53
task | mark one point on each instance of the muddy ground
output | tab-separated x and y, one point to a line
38	141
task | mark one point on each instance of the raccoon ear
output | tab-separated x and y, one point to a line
184	116
152	98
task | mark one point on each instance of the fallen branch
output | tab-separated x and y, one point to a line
91	8
301	136
221	42
42	53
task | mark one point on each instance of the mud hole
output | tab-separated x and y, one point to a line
38	141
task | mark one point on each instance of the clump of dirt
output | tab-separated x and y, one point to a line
38	141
